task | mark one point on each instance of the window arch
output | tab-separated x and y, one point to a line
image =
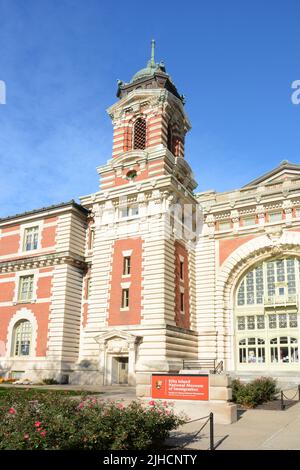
271	281
22	338
139	134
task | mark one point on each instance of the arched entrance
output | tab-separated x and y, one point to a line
257	305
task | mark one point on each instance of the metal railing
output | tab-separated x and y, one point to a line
284	397
209	419
211	364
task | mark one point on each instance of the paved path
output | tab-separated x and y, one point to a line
254	430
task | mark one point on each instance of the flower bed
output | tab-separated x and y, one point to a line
54	422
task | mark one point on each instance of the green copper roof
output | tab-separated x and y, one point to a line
151	68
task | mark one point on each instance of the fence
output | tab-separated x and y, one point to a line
283	396
209	419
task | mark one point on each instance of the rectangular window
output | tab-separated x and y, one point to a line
260	322
181	270
31	236
224	225
134	210
91	239
129	211
241	323
249	221
124	212
126	266
282	320
293	320
251	322
272	321
275	216
125	298
181	301
25	288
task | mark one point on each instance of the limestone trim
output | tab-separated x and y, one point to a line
42	261
116	343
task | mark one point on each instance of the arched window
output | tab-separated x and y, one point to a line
252	350
139	134
284	349
272	282
22	338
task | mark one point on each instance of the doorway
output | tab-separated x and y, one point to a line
120	370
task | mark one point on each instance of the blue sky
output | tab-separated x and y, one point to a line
60	59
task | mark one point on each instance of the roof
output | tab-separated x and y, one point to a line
44	209
284	171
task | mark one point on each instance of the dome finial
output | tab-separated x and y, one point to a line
152	60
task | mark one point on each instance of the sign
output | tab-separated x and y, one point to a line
180	387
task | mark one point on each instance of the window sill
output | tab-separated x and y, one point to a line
124	309
29	301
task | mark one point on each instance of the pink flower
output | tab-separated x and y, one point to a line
152	402
12	411
165	403
37	424
94	401
119	405
81	405
26	436
43	433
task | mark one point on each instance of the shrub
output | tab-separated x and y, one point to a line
253	393
50	382
52	422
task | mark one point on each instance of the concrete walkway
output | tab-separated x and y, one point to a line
254	430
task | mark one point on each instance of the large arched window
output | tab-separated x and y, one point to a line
22	338
269	283
139	134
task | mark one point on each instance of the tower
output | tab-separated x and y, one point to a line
139	312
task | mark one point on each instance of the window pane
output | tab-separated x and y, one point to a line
272	321
260	320
251	322
293	320
282	320
241	323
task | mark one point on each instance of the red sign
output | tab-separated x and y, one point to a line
180	387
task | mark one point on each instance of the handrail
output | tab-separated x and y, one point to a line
206	363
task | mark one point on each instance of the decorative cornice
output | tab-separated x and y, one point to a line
42	261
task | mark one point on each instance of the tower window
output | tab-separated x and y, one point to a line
125	298
139	134
170	147
181	270
181	301
126	266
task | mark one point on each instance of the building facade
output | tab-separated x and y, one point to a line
146	273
